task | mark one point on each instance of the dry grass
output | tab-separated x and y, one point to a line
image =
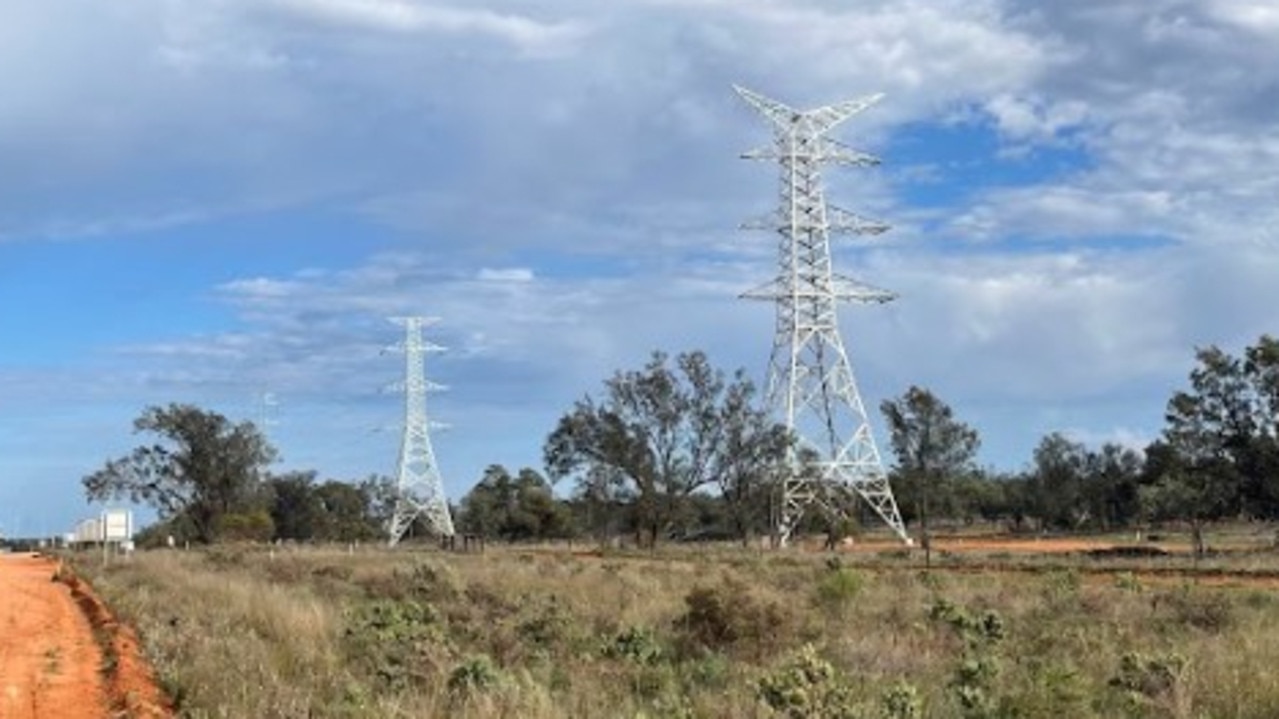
694	632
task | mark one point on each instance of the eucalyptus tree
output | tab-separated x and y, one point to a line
1219	454
201	469
931	447
663	432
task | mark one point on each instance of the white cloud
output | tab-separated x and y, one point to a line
1259	16
1033	119
423	17
1063	210
510	274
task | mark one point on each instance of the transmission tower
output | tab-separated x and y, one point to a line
419	489
810	380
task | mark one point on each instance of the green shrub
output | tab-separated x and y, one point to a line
635	644
475	675
394	641
1157	679
901	701
986	628
731	617
837	589
551	625
807	687
974	675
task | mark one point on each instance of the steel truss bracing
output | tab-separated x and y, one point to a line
810	380
419	489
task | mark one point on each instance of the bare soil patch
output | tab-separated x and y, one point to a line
50	665
62	653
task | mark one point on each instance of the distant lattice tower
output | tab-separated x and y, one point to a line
810	380
419	488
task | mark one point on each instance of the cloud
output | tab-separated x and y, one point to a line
1026	118
1257	16
511	274
420	17
1064	210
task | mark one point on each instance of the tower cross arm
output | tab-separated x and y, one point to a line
770	222
768	291
840	154
780	114
828	117
821	120
847	288
842	220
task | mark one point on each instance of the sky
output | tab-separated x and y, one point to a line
217	201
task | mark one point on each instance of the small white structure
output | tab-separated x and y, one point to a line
88	531
113	526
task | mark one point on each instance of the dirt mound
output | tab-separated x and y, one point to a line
130	682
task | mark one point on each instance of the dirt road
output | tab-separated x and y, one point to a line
50	665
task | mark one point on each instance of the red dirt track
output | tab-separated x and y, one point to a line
51	662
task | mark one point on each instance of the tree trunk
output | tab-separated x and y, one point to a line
1197	538
925	539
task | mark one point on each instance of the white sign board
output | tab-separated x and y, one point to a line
117	525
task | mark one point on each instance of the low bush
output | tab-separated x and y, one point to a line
730	617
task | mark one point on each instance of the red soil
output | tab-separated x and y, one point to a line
62	653
990	544
1019	546
49	661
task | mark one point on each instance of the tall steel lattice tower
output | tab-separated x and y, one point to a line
420	489
810	380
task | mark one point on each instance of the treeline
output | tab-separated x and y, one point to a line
678	450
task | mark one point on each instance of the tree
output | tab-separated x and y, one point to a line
1111	479
485	507
1172	490
296	510
347	513
382	495
754	460
202	468
540	515
515	509
1224	432
930	445
1057	482
658	435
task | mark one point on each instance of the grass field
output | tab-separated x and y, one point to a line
706	632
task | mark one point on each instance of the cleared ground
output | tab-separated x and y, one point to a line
50	665
63	654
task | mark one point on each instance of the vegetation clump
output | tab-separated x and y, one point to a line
730	617
396	641
808	687
1154	681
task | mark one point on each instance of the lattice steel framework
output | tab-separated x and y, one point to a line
420	488
810	380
